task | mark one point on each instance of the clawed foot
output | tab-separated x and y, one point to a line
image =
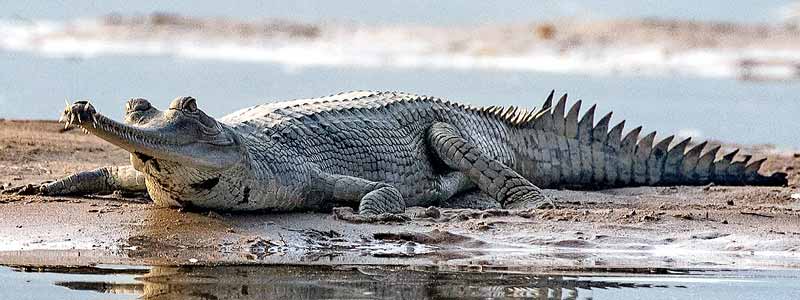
539	201
80	113
28	189
347	214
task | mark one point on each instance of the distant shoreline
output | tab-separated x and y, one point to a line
648	47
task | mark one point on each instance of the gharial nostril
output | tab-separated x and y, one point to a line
137	104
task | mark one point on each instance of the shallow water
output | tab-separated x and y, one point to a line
371	282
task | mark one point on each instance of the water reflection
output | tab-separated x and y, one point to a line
326	282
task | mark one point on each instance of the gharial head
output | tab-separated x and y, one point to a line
183	133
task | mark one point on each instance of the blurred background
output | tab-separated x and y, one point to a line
721	70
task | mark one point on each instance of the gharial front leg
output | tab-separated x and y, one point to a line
490	175
103	180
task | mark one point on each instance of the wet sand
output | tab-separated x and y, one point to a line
649	227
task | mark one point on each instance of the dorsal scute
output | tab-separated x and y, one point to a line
745	158
690	160
585	125
703	168
614	136
559	124
510	111
752	168
629	141
645	144
520	115
571	120
528	119
697	149
730	155
664	143
548	103
680	147
543	120
722	166
737	167
471	108
600	130
672	172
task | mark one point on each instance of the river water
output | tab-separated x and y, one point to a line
386	282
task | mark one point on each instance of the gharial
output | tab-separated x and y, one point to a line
382	152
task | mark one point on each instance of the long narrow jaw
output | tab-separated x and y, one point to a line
169	135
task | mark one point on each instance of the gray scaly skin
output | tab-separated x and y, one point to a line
381	152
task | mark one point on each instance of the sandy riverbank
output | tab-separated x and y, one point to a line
669	227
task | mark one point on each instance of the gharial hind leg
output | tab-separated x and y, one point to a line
456	190
373	198
472	199
491	176
103	180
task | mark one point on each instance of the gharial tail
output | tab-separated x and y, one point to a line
558	149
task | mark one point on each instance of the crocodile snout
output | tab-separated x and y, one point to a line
79	113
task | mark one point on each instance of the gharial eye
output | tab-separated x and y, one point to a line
190	105
187	104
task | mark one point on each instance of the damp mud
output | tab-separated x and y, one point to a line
646	228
